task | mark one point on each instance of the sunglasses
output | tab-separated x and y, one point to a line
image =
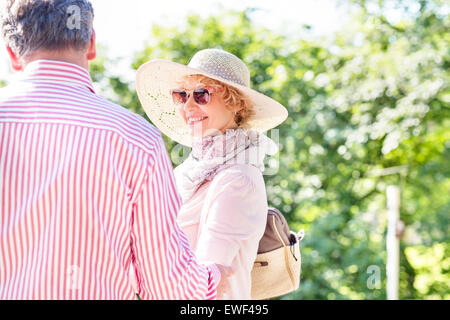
201	96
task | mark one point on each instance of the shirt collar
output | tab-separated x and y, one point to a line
58	71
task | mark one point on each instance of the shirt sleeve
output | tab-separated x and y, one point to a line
165	266
237	212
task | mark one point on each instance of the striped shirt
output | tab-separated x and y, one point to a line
86	192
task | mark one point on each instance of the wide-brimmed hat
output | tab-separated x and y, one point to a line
157	78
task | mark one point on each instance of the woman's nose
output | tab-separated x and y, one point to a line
190	104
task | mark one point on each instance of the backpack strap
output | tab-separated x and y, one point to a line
277	232
286	250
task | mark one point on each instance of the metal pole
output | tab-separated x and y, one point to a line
392	242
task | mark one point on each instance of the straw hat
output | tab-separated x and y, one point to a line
156	78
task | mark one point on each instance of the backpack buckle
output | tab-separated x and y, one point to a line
301	234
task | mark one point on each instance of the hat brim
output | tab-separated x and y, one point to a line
155	80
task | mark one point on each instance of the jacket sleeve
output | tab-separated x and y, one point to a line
237	212
165	266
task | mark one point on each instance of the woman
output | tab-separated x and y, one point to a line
209	106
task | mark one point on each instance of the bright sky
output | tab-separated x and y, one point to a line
123	26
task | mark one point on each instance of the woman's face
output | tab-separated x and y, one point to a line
206	119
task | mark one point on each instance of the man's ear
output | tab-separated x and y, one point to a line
16	64
92	51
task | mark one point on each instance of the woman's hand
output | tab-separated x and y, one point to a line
224	284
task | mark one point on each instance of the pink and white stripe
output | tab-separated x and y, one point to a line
86	191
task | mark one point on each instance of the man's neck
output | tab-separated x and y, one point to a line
69	56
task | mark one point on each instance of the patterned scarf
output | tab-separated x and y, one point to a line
212	153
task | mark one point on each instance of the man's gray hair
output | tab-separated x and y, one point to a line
31	25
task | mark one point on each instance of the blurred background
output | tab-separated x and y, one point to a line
366	84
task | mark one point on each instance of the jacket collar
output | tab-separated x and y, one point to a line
58	72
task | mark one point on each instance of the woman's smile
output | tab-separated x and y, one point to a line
195	120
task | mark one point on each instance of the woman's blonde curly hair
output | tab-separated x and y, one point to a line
233	97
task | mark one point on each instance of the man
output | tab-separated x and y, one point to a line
87	188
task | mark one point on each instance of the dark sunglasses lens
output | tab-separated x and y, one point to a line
201	96
179	96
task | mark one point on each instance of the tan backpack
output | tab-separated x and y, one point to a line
277	267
